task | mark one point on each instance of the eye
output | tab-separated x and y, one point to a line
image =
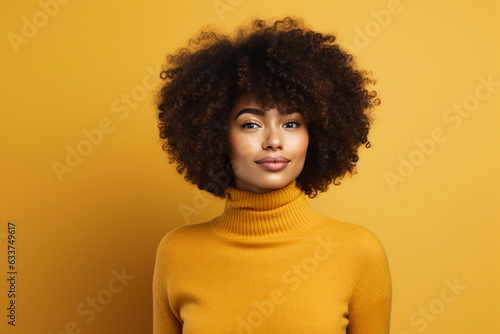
249	125
292	124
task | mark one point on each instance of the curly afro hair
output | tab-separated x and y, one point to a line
284	65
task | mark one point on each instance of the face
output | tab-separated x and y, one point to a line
267	149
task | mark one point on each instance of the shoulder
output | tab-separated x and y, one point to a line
365	255
180	239
358	239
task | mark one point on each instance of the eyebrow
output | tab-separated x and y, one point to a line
261	112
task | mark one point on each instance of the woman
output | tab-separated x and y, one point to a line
263	119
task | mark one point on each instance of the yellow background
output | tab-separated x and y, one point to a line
109	213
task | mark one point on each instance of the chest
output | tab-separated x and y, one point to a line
269	290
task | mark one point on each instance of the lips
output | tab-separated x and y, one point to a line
273	163
272	160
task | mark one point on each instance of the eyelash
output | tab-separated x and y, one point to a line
290	121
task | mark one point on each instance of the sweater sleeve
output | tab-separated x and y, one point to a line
164	319
370	305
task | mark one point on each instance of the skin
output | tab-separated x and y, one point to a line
255	133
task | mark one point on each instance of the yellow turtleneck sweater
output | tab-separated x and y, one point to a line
271	264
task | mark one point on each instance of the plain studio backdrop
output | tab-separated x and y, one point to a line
90	192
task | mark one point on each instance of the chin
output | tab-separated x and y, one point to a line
274	184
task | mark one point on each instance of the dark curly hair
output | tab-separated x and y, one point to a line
283	65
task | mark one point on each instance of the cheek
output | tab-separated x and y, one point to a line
240	146
299	145
305	145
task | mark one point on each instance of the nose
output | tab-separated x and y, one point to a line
272	139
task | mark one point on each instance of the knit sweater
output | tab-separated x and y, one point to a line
271	264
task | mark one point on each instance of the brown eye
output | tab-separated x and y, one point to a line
249	125
292	124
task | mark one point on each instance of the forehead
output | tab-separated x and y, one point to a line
248	103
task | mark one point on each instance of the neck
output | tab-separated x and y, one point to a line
276	213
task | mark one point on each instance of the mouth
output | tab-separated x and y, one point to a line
273	163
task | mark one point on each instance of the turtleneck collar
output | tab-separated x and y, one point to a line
280	212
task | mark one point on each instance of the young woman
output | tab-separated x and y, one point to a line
263	119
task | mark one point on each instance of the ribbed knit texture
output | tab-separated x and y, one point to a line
271	264
272	214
